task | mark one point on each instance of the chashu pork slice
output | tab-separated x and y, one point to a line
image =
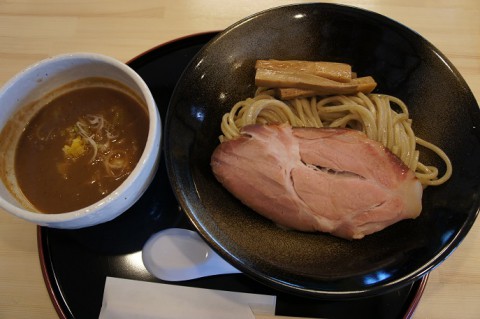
318	179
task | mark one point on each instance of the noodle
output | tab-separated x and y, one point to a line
382	118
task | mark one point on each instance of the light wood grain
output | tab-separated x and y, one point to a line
31	30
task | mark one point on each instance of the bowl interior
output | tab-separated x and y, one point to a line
405	65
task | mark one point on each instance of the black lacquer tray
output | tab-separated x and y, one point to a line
75	263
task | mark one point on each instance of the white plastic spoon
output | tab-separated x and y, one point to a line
177	254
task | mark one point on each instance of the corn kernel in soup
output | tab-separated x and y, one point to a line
80	147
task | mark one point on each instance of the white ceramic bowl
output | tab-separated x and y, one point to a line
42	78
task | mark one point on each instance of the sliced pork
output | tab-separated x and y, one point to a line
329	180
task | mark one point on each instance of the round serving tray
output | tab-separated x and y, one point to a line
75	263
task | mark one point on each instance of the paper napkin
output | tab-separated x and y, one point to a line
124	298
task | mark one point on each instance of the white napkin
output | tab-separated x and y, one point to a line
124	298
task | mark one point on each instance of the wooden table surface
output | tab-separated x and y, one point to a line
31	30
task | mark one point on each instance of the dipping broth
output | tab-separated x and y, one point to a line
80	146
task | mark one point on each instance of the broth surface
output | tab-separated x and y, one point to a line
80	147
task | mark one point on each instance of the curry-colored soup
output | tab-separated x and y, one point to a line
80	147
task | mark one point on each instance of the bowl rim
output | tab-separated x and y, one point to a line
150	149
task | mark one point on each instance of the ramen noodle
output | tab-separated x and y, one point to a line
383	118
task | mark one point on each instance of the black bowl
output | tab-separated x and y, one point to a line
405	65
